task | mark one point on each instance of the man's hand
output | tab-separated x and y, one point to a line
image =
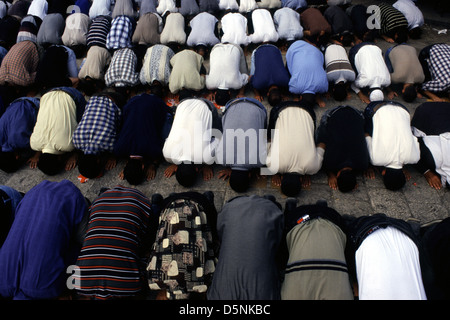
433	180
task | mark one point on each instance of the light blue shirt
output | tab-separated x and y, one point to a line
306	65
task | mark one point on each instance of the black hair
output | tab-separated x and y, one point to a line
274	97
323	39
401	35
291	184
346	181
133	171
347	39
339	91
394	179
156	88
239	180
410	93
50	164
8	162
309	99
89	165
415	33
186	174
200	47
185	94
369	36
222	97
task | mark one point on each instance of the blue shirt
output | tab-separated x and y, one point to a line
17	124
37	251
306	66
99	126
267	68
143	120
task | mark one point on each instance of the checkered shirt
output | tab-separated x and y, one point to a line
98	128
121	33
122	70
20	64
439	66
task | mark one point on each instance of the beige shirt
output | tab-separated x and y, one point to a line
95	64
186	71
56	122
173	29
406	65
293	149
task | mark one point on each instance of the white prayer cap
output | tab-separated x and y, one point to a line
376	95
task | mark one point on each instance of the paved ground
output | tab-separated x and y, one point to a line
416	200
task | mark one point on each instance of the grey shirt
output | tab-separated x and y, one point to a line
243	144
250	229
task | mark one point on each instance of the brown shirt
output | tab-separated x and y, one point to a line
314	21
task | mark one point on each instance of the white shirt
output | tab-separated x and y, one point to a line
371	68
439	146
388	267
234	27
228	5
166	5
287	23
293	149
264	27
411	12
38	8
392	143
100	8
247	6
228	67
191	138
202	30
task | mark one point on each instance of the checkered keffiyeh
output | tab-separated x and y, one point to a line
439	66
97	130
121	33
122	70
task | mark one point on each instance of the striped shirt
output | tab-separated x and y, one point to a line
98	31
109	263
313	274
391	19
337	64
97	130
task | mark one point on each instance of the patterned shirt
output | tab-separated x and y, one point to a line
122	70
20	64
121	33
97	130
182	259
109	260
439	68
156	65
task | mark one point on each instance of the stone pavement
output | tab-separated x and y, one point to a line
415	201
